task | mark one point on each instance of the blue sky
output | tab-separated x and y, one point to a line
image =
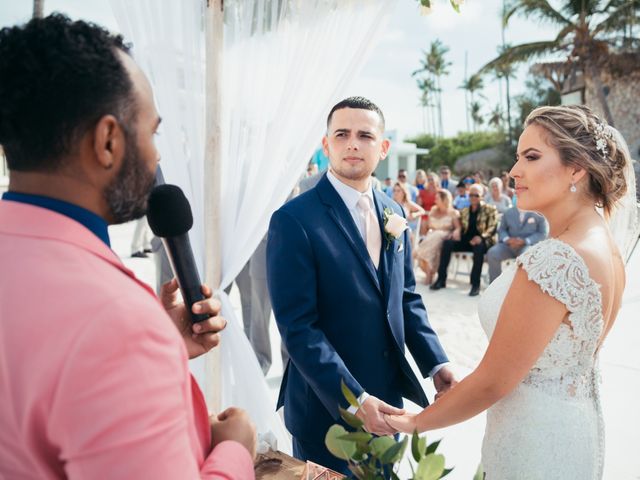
386	78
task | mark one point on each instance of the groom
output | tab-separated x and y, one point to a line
343	294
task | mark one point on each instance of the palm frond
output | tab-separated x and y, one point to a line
522	53
538	9
617	18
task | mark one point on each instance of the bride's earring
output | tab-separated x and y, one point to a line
573	188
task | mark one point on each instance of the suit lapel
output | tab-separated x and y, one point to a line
342	217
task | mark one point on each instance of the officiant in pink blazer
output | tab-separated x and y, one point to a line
94	379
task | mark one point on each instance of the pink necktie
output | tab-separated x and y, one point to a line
371	229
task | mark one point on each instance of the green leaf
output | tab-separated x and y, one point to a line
425	3
433	447
350	419
357	437
415	447
394	453
479	473
446	472
339	448
422	446
430	467
455	6
379	445
348	394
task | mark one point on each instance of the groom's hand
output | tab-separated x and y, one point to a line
372	413
444	380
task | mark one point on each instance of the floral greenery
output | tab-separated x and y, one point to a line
376	458
454	3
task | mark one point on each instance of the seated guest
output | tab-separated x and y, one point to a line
427	198
443	221
446	181
506	184
412	210
95	374
403	178
479	222
495	196
518	231
461	200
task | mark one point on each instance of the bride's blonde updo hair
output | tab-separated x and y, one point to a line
583	140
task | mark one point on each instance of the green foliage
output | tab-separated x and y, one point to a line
445	151
375	458
539	91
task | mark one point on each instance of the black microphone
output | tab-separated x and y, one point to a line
170	218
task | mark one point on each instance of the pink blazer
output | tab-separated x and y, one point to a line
94	381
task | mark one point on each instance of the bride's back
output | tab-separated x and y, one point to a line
592	241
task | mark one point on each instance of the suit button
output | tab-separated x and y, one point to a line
385	354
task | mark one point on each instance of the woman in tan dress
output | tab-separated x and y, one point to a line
443	221
412	210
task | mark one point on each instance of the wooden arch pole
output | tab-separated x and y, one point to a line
212	170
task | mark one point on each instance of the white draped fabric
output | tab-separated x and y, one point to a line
285	63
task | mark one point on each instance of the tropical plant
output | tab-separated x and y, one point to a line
539	91
445	151
504	72
374	458
476	114
454	3
38	8
496	117
590	33
471	85
428	97
433	67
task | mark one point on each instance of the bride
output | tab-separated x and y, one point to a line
548	314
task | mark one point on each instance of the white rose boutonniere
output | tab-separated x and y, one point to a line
394	225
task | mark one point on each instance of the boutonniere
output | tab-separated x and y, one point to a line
394	225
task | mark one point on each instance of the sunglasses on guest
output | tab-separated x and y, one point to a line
474	195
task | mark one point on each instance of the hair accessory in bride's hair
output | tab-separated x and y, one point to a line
601	133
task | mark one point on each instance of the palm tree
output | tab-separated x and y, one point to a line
434	66
589	32
427	102
471	85
495	117
38	8
505	72
476	115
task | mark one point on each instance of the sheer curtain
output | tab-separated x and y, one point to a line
285	63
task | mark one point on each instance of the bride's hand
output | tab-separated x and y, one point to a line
406	423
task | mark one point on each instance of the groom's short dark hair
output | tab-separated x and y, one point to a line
357	102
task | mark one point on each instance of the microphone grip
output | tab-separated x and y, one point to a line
180	255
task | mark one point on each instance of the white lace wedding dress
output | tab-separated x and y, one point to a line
550	426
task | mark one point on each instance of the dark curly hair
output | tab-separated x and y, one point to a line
57	79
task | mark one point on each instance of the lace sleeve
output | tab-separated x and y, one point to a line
561	273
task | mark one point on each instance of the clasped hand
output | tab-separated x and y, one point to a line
199	337
443	380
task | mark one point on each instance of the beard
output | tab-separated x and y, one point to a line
127	194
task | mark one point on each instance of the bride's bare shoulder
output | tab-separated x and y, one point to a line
599	253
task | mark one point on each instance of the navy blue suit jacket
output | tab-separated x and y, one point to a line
338	316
